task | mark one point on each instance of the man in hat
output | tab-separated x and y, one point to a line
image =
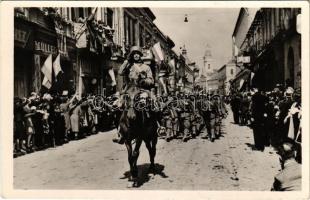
138	76
289	178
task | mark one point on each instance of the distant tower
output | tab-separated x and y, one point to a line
208	68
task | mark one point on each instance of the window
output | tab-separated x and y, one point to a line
81	12
110	17
73	13
232	71
130	30
209	66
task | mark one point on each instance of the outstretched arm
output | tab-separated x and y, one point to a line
123	67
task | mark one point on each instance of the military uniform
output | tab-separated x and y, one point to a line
139	78
186	117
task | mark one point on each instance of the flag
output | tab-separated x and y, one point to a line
172	63
236	51
81	40
47	70
93	13
56	66
241	83
91	31
46	83
159	55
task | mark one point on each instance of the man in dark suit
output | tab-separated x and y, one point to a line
289	179
258	114
235	107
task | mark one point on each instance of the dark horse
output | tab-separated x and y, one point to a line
138	124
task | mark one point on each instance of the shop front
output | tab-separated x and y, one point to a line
33	43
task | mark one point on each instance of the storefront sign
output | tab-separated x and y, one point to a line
21	36
243	59
44	47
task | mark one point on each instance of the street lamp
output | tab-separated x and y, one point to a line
185	19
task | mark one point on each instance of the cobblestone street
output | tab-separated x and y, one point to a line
96	163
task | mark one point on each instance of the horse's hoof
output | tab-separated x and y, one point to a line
135	184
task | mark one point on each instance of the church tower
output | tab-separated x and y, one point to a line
208	64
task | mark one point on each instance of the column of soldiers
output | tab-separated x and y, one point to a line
273	115
43	121
185	114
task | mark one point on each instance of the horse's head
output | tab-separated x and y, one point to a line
141	101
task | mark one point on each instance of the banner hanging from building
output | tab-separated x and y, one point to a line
47	71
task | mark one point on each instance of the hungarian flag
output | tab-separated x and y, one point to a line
56	66
158	53
47	70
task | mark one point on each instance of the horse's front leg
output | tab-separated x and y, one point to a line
151	147
135	155
129	151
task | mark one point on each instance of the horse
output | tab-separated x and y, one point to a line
138	123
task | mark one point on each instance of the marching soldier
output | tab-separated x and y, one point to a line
186	115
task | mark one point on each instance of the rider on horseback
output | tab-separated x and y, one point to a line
138	77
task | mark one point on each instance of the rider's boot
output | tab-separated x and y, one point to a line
120	139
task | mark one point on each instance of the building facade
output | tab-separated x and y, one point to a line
36	36
226	74
273	45
39	32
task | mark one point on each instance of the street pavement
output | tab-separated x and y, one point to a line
96	163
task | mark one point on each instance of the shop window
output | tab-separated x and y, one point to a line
110	17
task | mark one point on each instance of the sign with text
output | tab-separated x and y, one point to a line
21	36
44	47
243	59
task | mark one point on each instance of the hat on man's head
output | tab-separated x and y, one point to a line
287	148
289	91
135	49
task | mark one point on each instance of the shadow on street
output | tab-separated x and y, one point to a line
144	173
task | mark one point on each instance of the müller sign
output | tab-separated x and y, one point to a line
44	47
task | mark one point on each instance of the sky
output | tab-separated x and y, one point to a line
213	26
